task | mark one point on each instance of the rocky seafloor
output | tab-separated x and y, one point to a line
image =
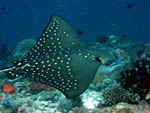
112	91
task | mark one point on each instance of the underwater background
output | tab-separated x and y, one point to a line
26	19
74	56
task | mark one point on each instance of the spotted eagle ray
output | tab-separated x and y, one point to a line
58	59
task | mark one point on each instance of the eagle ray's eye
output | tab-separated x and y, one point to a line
98	59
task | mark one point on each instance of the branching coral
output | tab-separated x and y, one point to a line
115	94
138	78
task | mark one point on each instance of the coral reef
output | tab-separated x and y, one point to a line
138	78
116	94
25	96
7	88
18	52
146	52
113	39
119	108
23	47
102	39
91	99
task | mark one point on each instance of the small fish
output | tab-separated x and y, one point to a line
130	5
79	32
58	59
105	69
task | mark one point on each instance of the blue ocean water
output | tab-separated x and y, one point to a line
26	19
61	61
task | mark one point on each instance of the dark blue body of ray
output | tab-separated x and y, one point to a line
59	59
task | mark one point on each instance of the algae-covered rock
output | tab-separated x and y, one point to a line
113	39
4	109
23	47
119	108
2	75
